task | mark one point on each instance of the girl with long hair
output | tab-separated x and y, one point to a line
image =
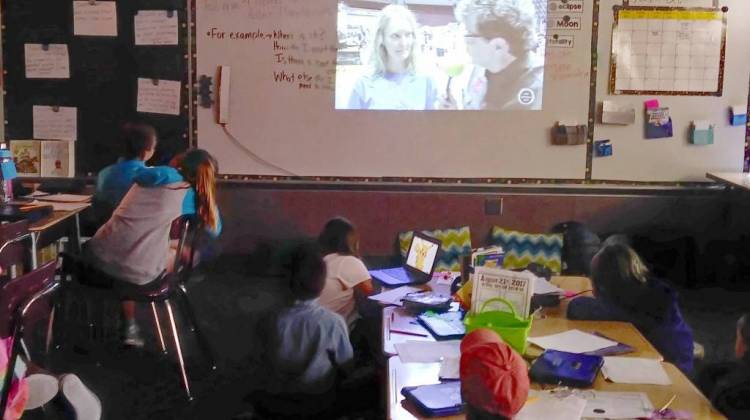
347	274
626	290
133	245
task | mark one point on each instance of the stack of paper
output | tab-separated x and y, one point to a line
65	198
572	341
428	351
394	296
635	370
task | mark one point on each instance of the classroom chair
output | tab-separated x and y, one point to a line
164	289
13	252
19	309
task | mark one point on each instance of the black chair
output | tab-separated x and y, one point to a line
19	299
167	286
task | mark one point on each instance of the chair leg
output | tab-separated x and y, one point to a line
48	341
178	348
158	328
190	315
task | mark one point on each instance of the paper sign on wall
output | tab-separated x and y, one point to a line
95	19
49	61
155	27
58	158
59	123
158	97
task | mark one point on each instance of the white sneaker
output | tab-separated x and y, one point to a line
42	389
84	403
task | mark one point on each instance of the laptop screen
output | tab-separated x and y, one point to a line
422	255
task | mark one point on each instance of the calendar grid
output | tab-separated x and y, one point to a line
671	51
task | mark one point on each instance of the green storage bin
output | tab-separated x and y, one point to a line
513	329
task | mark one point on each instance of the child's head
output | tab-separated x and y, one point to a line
339	236
140	140
616	267
494	378
307	271
742	345
199	168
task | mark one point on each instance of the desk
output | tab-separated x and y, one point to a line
731	179
56	218
412	374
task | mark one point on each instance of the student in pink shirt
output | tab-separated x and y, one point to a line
347	275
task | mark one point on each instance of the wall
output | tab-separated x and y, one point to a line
255	212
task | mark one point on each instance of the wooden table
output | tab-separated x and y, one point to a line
56	218
731	179
688	398
412	374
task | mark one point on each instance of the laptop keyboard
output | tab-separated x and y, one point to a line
397	272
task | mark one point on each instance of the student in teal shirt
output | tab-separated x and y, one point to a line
115	180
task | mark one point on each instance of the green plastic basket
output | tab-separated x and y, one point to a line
513	329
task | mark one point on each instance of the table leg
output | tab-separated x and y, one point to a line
76	240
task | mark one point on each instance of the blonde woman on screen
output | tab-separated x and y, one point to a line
393	82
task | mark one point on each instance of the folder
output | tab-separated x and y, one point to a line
702	133
658	123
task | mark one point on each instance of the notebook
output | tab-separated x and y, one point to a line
444	326
420	263
436	400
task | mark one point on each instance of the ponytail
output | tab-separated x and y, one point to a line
205	187
199	169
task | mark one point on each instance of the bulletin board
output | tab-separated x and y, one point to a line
279	128
103	77
675	159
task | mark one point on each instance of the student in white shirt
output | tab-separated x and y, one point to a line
346	274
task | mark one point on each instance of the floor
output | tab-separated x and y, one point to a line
228	300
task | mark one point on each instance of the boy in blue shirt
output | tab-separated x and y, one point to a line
115	180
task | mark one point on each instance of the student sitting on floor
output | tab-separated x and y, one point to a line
133	246
494	378
305	342
115	180
727	384
625	290
347	274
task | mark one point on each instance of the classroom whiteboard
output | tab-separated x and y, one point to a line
290	120
675	159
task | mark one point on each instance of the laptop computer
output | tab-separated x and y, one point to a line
420	263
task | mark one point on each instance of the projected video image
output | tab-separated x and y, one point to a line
441	54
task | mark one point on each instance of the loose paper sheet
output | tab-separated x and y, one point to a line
58	125
616	405
635	370
543	287
160	98
154	27
58	158
572	341
428	351
98	19
51	64
394	296
450	368
547	406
